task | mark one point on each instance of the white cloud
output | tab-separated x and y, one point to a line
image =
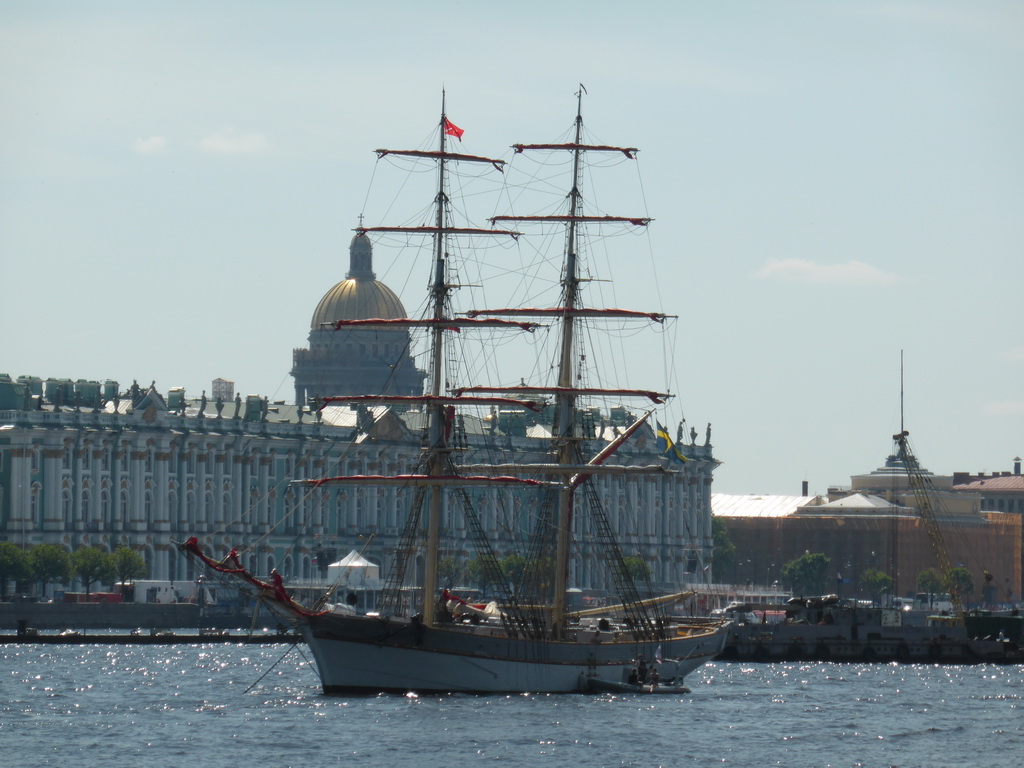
150	146
227	141
1006	408
1014	354
802	271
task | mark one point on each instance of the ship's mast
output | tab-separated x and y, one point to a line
567	390
566	400
436	405
437	442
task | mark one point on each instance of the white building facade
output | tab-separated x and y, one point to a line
136	474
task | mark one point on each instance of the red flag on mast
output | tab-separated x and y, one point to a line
451	129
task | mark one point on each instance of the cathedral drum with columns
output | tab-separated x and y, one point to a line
353	361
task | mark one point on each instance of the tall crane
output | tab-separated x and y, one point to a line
923	490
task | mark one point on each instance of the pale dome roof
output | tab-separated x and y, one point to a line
356	299
360	296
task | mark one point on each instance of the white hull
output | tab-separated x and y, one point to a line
370	655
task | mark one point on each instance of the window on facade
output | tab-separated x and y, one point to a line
399	503
105	506
290	505
209	506
36	490
190	510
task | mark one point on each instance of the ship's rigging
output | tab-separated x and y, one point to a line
535	619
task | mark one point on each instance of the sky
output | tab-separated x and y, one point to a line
833	185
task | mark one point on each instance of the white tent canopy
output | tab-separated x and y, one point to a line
353	569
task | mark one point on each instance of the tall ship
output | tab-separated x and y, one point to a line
530	637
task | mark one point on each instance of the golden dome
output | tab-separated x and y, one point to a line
356	299
360	296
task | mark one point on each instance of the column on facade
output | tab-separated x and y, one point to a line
635	503
317	504
657	553
263	486
241	464
19	515
346	510
78	452
106	498
138	454
226	488
229	485
665	544
178	514
300	510
94	520
118	485
161	484
202	479
52	499
683	514
186	485
219	470
703	514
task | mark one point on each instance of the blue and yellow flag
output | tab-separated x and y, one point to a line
666	447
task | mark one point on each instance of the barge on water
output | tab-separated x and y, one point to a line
202	637
830	629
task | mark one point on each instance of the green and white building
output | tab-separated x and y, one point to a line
96	464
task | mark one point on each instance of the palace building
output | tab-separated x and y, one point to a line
94	464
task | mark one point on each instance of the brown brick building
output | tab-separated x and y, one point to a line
875	524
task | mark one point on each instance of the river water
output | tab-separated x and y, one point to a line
236	706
